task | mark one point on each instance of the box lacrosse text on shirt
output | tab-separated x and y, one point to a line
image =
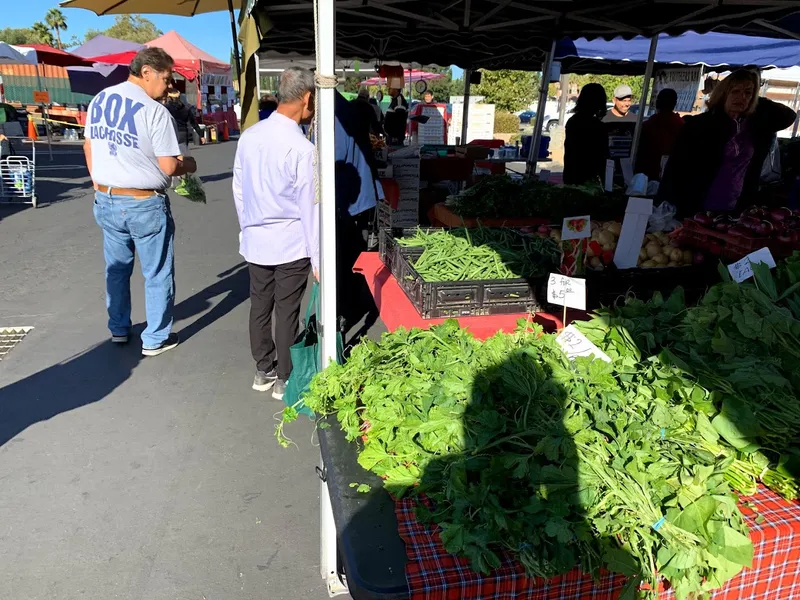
128	132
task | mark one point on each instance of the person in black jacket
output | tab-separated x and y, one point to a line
586	138
716	164
184	118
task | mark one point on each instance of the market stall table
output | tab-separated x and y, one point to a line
386	554
396	309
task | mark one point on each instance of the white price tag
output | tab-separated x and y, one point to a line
566	291
743	269
576	228
544	175
575	344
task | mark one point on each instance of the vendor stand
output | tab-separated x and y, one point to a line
520	36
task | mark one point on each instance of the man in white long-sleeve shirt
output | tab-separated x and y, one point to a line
273	188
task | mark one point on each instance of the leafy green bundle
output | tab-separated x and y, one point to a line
471	255
743	342
499	196
559	463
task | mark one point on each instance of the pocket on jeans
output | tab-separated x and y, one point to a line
99	213
147	223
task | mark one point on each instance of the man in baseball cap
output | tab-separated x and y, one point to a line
622	105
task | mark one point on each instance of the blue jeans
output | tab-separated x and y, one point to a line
143	226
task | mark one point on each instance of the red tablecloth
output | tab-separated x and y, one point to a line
435	575
396	309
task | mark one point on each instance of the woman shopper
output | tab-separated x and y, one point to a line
716	164
184	119
586	138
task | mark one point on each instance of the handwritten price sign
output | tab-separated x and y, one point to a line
575	344
742	269
566	291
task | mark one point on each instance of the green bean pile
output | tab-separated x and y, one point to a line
478	254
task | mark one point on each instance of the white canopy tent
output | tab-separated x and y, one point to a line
16	55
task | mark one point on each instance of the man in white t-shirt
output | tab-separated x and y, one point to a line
132	152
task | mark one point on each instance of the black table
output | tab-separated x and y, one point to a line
371	552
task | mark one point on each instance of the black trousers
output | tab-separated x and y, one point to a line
281	288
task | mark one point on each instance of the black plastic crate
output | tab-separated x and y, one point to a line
442	299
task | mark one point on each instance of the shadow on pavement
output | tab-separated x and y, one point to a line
216	177
93	374
233	283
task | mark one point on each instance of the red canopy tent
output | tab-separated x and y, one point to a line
190	60
411	76
47	55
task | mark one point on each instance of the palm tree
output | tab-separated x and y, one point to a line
56	21
42	33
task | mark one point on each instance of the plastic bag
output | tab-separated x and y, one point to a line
771	169
191	188
663	218
638	185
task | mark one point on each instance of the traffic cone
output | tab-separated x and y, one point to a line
32	129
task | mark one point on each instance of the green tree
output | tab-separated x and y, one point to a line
443	88
56	21
508	90
42	34
609	82
18	35
132	28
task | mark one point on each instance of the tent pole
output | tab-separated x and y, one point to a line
648	75
465	111
45	117
236	56
547	66
326	51
794	106
562	101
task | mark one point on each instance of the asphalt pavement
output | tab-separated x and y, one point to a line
142	478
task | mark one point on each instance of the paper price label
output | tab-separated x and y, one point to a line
576	228
566	291
742	269
575	344
544	175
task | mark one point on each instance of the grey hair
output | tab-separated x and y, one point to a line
294	84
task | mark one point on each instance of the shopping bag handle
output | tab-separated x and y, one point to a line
313	303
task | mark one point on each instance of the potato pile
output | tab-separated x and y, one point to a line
658	250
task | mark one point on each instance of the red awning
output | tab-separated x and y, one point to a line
47	55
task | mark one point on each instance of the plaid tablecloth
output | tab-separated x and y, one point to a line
433	574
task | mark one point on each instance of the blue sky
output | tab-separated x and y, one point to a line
211	32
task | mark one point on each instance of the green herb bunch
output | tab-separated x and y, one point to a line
561	464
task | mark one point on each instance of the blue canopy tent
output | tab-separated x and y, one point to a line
627	57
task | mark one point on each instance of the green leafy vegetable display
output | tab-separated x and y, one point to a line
469	255
743	342
559	463
499	196
631	465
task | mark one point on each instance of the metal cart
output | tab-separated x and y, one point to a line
18	173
